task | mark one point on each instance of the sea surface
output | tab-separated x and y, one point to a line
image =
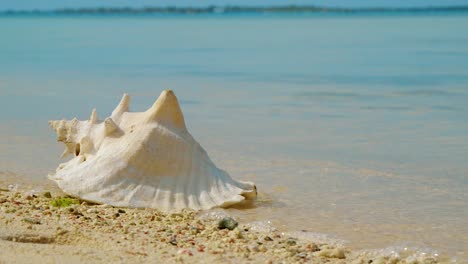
354	127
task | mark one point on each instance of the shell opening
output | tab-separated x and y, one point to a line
77	149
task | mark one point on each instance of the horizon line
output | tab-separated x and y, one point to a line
226	9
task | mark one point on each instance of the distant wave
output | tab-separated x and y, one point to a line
232	10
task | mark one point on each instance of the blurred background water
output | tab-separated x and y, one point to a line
351	125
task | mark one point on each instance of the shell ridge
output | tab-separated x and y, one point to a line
190	186
177	183
134	193
205	200
187	178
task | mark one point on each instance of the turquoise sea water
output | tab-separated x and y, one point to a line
352	126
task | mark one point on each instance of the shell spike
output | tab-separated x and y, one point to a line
94	117
122	107
166	110
52	124
110	126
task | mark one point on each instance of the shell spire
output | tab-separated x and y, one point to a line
123	106
166	110
94	117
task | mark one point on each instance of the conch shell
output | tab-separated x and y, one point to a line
143	159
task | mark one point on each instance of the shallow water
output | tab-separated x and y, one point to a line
352	126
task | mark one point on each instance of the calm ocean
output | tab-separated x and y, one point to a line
354	126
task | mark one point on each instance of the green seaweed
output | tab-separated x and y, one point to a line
64	202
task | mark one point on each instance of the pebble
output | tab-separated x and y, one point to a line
32	221
47	195
253	248
92	211
173	241
291	241
312	247
227	223
301	255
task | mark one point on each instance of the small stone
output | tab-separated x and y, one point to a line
253	248
312	247
78	213
291	241
61	232
430	261
267	238
121	211
173	241
332	253
32	221
47	195
92	211
227	223
301	255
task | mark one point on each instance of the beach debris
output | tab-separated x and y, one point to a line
64	202
143	159
227	223
47	195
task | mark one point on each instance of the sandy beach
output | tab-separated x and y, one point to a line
51	227
351	125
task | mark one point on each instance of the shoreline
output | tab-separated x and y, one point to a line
33	228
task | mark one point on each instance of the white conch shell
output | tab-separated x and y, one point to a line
145	159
